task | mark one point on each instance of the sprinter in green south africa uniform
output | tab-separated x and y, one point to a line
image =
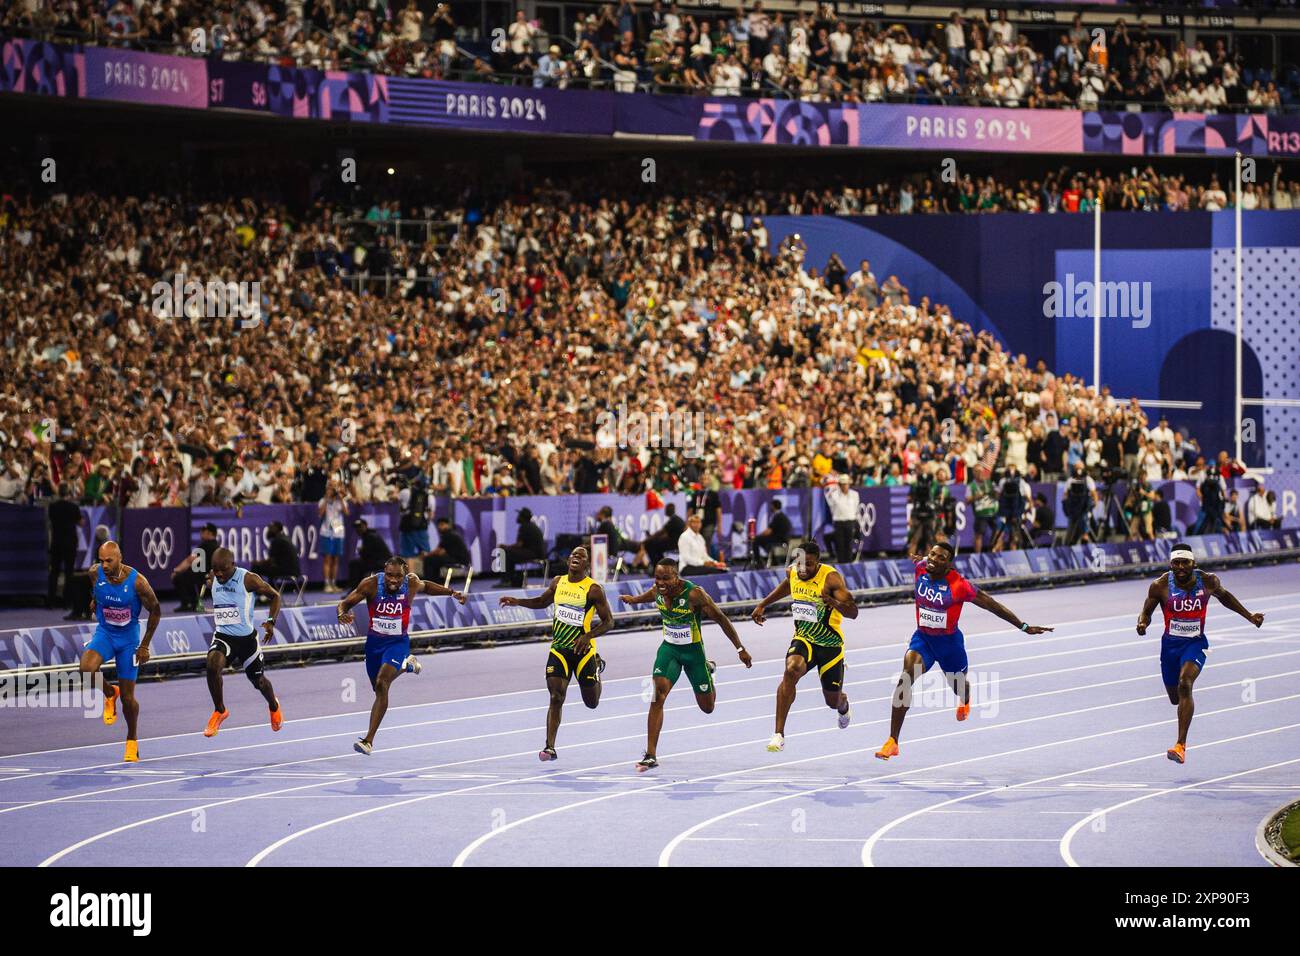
681	606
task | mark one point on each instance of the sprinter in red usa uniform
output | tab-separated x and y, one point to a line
1183	595
940	593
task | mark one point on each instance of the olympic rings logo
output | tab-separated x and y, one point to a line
157	544
866	518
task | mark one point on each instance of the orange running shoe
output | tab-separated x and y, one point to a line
277	716
110	705
1177	753
888	749
214	722
963	711
132	754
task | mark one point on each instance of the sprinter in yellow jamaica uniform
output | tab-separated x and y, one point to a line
819	601
578	601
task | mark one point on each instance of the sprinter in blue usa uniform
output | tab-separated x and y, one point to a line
120	592
1183	595
388	596
234	639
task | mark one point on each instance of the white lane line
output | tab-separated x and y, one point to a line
471	848
689	728
267	851
1068	838
574	704
875	837
779	660
1072	652
668	849
271	849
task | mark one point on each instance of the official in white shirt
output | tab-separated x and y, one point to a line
843	502
693	550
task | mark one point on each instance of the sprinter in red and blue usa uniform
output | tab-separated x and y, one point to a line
940	593
1183	595
388	596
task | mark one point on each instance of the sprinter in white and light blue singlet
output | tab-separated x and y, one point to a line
234	640
120	593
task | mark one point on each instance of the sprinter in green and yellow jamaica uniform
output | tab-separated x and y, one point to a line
578	601
681	606
819	602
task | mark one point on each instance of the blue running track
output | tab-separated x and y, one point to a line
1062	761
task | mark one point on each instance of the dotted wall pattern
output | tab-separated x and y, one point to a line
1270	322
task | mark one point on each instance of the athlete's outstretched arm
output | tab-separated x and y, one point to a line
985	600
701	601
643	598
363	592
255	584
838	596
437	590
779	592
1155	597
149	601
536	603
1229	600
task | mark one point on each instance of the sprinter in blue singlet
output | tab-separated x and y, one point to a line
1183	594
120	592
234	640
388	596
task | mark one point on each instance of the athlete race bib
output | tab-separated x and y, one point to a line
386	625
225	615
933	617
678	634
805	612
1184	628
568	614
117	616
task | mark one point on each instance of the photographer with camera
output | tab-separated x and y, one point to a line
1014	501
1137	509
1080	498
413	501
924	499
1212	492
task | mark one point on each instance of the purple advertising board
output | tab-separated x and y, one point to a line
905	126
42	69
130	76
155	540
25	555
522	109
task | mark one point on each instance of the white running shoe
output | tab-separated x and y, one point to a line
411	665
362	747
777	743
844	719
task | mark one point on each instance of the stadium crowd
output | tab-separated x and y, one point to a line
486	369
818	56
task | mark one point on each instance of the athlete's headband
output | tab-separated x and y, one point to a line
1182	553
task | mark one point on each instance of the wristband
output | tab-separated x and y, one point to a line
1024	626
